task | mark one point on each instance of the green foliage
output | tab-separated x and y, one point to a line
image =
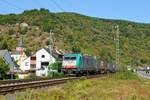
98	89
55	70
76	49
83	34
55	66
7	42
127	75
4	68
33	76
3	45
55	74
28	52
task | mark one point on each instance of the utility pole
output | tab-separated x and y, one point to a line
51	47
12	73
117	42
51	41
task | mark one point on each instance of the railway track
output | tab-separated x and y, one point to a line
7	82
4	82
10	88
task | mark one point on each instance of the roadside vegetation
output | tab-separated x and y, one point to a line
119	86
55	70
4	68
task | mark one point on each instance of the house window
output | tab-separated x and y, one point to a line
26	63
33	65
33	58
43	56
44	63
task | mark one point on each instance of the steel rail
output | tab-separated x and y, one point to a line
4	82
10	88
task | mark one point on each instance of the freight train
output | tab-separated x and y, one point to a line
78	64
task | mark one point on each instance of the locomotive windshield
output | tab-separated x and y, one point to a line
69	61
69	58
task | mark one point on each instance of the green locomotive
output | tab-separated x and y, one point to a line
79	64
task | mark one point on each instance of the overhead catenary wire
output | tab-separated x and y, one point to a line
51	33
61	8
11	4
68	29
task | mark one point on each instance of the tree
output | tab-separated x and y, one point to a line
55	70
3	45
55	66
11	32
4	68
76	49
28	52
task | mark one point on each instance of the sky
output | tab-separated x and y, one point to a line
132	10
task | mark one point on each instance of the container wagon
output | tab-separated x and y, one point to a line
106	67
102	65
111	68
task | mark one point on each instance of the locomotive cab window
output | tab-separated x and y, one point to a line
70	58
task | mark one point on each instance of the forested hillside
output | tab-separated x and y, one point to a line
77	32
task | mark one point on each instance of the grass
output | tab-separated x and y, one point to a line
119	86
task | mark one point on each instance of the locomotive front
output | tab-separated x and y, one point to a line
70	63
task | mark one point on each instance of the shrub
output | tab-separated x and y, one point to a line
4	68
127	75
33	76
55	74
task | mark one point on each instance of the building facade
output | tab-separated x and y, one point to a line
43	60
39	62
25	65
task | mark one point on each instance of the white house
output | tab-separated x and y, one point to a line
29	64
43	59
25	65
25	68
40	61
